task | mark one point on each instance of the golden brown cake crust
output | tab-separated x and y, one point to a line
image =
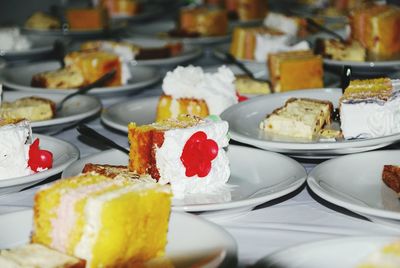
391	177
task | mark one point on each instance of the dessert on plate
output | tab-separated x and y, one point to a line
30	108
291	25
295	70
386	257
42	21
256	43
106	222
246	10
87	18
391	177
187	153
299	118
120	8
246	85
189	90
370	108
20	155
334	49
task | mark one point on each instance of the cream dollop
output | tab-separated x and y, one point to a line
12	40
172	170
216	89
282	23
267	43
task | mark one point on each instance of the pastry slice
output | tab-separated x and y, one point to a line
336	50
246	85
30	108
299	118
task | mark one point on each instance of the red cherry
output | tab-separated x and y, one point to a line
198	137
39	159
204	168
241	97
211	149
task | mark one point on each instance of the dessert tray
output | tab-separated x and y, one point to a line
348	253
244	119
355	183
73	111
257	176
19	78
188	53
64	154
192	241
160	29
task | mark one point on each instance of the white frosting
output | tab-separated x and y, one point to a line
368	119
267	43
216	89
12	40
172	170
14	148
282	23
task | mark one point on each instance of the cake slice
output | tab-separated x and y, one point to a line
246	85
87	18
42	21
203	21
107	222
30	108
59	79
295	70
336	50
299	118
369	108
36	255
391	177
187	152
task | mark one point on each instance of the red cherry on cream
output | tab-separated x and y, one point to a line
39	159
241	98
197	155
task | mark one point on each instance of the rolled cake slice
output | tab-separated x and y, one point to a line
107	222
370	108
391	177
30	108
187	152
36	255
299	117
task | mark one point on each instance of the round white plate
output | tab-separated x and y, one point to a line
73	110
64	154
19	78
355	183
347	252
257	176
244	119
192	241
189	52
160	29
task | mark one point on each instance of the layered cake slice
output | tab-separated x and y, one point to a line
187	152
370	108
299	117
336	50
246	85
59	79
37	255
391	177
30	108
189	90
87	18
246	10
107	222
295	70
376	27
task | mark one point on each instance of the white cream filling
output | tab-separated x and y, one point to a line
282	23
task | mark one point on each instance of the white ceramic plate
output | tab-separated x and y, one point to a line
347	252
189	52
244	119
192	241
161	28
64	154
73	111
257	176
355	183
19	78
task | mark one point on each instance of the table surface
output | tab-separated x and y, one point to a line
296	218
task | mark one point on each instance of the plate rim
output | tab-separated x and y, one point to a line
368	211
247	202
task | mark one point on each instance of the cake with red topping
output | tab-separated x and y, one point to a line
187	152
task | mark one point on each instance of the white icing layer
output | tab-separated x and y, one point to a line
282	23
12	40
15	140
216	89
371	118
172	170
267	43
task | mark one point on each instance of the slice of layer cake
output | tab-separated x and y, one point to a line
386	257
370	108
299	117
336	50
189	90
246	85
391	177
30	108
377	29
246	10
87	18
203	21
36	255
187	153
107	222
295	70
121	8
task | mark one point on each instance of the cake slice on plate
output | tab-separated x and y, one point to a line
30	108
391	177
